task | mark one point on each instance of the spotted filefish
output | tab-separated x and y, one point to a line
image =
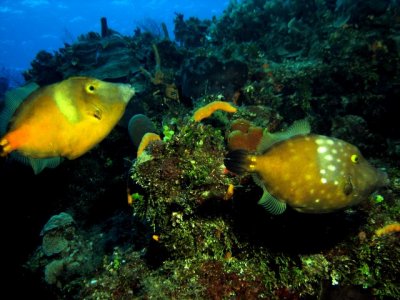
309	172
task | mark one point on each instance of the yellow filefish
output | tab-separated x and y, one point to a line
65	119
311	173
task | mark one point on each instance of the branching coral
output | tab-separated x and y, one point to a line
160	78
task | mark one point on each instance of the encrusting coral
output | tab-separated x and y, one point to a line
147	139
244	135
387	229
207	110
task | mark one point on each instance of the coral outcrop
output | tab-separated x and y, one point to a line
188	229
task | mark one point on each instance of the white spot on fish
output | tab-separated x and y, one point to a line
322	149
331	168
324	180
328	157
320	141
322	171
336	182
334	151
317	200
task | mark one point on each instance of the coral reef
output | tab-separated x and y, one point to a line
64	254
190	229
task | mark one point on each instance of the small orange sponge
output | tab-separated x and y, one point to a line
146	140
395	227
209	109
244	135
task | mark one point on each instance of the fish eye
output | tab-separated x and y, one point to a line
90	88
354	158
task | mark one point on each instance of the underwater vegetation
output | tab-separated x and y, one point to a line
154	212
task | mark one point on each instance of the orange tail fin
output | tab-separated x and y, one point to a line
5	147
236	161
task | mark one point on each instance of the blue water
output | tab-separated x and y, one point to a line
29	26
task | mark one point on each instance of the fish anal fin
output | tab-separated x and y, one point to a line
37	164
272	204
257	180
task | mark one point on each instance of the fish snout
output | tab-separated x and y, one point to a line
383	179
127	91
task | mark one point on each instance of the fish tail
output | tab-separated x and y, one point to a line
5	147
237	161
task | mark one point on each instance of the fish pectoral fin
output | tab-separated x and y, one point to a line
348	186
98	113
37	164
272	204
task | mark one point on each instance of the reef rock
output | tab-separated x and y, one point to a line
109	57
207	75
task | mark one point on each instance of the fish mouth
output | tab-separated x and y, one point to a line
128	91
383	179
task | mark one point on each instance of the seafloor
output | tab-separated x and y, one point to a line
70	233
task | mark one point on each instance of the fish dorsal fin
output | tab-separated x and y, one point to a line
12	101
300	127
269	202
15	97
